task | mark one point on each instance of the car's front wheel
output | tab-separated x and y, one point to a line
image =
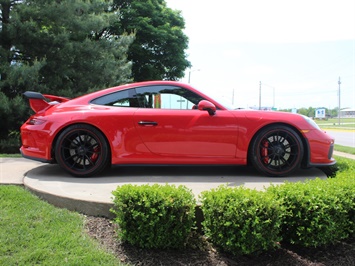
276	151
82	150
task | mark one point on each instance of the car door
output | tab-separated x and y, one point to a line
170	125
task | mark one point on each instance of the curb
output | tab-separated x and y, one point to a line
90	208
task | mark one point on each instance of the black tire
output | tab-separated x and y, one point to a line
276	151
82	150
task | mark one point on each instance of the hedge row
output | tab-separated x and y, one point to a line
241	220
318	212
154	216
237	219
10	145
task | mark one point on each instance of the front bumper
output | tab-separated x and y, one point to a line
320	147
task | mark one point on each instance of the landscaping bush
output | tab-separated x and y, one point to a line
344	187
241	220
13	113
315	212
345	167
12	144
154	216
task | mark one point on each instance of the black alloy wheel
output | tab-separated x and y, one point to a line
82	150
277	151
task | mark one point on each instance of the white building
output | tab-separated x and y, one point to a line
347	113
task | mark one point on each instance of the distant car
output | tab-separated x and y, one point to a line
167	123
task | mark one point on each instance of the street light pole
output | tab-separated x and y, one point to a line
190	71
273	94
339	101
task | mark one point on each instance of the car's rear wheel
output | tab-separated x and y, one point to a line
276	151
82	150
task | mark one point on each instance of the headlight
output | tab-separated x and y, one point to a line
311	122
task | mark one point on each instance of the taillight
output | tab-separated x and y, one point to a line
35	121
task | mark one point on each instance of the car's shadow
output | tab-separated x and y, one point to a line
237	175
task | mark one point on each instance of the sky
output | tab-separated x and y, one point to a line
296	50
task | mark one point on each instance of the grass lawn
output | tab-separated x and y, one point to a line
346	149
33	232
7	155
345	124
333	123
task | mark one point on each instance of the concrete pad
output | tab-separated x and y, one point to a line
93	196
12	170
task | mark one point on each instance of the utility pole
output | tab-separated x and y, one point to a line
339	101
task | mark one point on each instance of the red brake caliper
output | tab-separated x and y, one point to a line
95	155
264	151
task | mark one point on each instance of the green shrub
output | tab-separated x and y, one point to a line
12	144
344	187
13	113
346	167
241	220
315	212
154	216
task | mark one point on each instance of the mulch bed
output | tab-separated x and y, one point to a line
200	252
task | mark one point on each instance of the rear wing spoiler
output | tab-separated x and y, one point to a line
40	102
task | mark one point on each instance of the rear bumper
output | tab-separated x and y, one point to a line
36	142
32	155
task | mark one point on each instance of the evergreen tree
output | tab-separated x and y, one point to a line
60	47
158	51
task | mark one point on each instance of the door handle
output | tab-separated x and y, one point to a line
147	123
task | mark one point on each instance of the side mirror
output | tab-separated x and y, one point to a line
207	106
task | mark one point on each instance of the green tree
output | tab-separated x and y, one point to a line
333	112
303	111
60	47
310	111
158	51
5	42
12	115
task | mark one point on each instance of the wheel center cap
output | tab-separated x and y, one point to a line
278	150
82	150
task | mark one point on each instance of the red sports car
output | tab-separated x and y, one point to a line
167	123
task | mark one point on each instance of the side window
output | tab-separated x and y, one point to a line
167	97
125	98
